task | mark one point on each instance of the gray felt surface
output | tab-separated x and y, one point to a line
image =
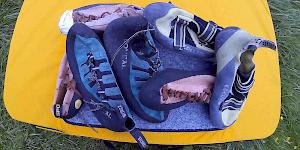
192	116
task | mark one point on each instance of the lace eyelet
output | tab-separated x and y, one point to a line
103	97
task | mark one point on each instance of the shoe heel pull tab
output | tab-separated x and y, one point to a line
130	126
138	136
260	43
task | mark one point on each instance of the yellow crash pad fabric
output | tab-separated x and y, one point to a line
37	47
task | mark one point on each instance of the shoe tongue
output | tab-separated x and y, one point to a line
144	45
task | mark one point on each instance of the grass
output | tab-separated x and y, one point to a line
286	17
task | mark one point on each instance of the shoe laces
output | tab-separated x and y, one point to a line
148	53
94	75
151	55
126	42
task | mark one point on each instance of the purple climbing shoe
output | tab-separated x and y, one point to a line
232	86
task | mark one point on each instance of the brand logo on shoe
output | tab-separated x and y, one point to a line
57	110
121	109
125	56
108	114
142	141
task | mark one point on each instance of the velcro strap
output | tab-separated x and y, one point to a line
180	33
209	32
243	86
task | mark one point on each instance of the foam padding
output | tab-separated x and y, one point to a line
37	48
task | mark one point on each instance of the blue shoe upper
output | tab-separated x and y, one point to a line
96	82
134	59
177	50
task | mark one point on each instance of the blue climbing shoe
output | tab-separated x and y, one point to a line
96	82
134	59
